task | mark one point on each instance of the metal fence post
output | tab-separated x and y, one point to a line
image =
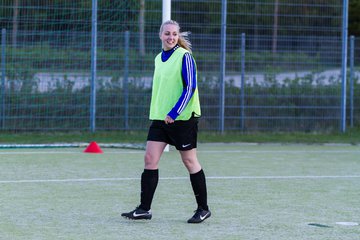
3	72
222	66
93	66
166	10
125	83
352	49
344	65
243	81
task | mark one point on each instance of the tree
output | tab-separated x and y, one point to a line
275	28
142	28
15	23
354	17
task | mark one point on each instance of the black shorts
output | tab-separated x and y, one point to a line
181	134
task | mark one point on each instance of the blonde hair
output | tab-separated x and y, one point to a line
184	41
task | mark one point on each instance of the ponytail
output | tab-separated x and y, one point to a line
184	41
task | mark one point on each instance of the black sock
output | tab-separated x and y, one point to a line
198	183
149	181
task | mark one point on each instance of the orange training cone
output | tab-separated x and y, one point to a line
93	148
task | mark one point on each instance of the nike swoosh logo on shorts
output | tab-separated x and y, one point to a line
186	145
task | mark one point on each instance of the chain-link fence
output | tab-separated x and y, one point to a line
283	64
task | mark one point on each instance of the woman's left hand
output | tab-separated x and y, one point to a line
168	120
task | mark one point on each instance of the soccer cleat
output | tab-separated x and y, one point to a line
138	214
199	216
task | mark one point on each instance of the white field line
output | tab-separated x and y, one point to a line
199	151
73	180
55	152
280	151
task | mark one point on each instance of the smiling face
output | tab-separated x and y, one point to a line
169	36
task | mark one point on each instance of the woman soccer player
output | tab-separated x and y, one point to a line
174	111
